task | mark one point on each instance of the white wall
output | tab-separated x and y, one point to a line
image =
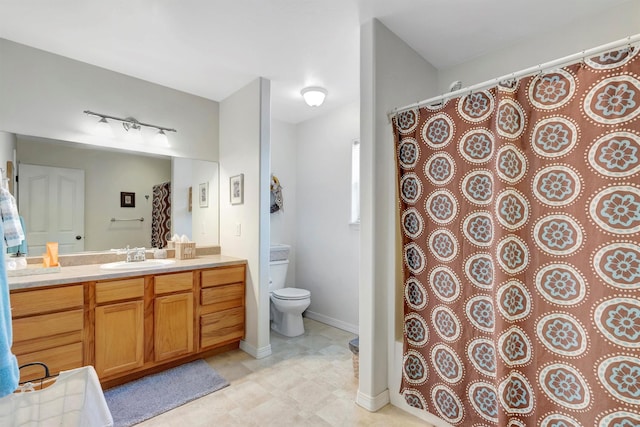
377	98
608	26
205	219
200	224
44	95
181	180
107	173
327	246
284	145
391	74
313	162
244	148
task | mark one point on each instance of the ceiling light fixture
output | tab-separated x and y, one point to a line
314	96
130	123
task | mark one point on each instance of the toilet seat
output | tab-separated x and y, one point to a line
291	294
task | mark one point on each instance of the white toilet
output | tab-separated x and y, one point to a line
287	304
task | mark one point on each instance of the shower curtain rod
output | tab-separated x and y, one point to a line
528	71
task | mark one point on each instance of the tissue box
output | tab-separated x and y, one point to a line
185	250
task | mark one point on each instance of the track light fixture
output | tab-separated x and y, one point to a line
130	123
103	129
161	138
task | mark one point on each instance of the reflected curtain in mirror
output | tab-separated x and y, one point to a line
161	215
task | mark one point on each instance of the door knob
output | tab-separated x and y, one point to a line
78	237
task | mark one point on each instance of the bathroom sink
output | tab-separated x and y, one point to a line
137	265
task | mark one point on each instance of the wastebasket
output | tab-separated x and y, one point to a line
354	346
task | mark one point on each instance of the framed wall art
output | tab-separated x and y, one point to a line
236	188
203	194
127	200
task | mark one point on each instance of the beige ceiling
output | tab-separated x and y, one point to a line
211	48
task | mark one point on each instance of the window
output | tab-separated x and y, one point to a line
355	182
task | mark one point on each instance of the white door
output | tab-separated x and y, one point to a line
51	202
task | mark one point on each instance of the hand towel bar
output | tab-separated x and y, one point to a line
141	219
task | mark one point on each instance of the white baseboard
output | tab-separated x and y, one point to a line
332	322
258	353
373	403
399	402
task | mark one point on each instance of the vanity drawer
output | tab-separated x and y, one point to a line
119	290
46	300
222	276
174	282
47	325
57	359
226	296
221	327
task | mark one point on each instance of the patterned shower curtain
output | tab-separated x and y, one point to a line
161	215
520	213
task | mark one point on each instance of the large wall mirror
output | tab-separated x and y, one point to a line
90	198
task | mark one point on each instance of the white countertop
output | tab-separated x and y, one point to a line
93	272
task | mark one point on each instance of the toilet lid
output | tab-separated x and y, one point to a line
291	293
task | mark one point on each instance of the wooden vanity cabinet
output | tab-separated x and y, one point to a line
132	326
173	315
119	326
48	326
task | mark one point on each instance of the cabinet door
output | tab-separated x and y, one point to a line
119	337
173	328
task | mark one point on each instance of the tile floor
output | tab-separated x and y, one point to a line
307	381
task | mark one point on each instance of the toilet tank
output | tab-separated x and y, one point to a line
279	252
277	274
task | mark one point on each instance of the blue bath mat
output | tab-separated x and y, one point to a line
139	400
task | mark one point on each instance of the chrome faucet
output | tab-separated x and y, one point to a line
136	254
133	254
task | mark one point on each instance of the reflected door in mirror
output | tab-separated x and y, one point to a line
51	201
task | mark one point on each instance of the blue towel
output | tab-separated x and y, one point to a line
9	372
22	247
